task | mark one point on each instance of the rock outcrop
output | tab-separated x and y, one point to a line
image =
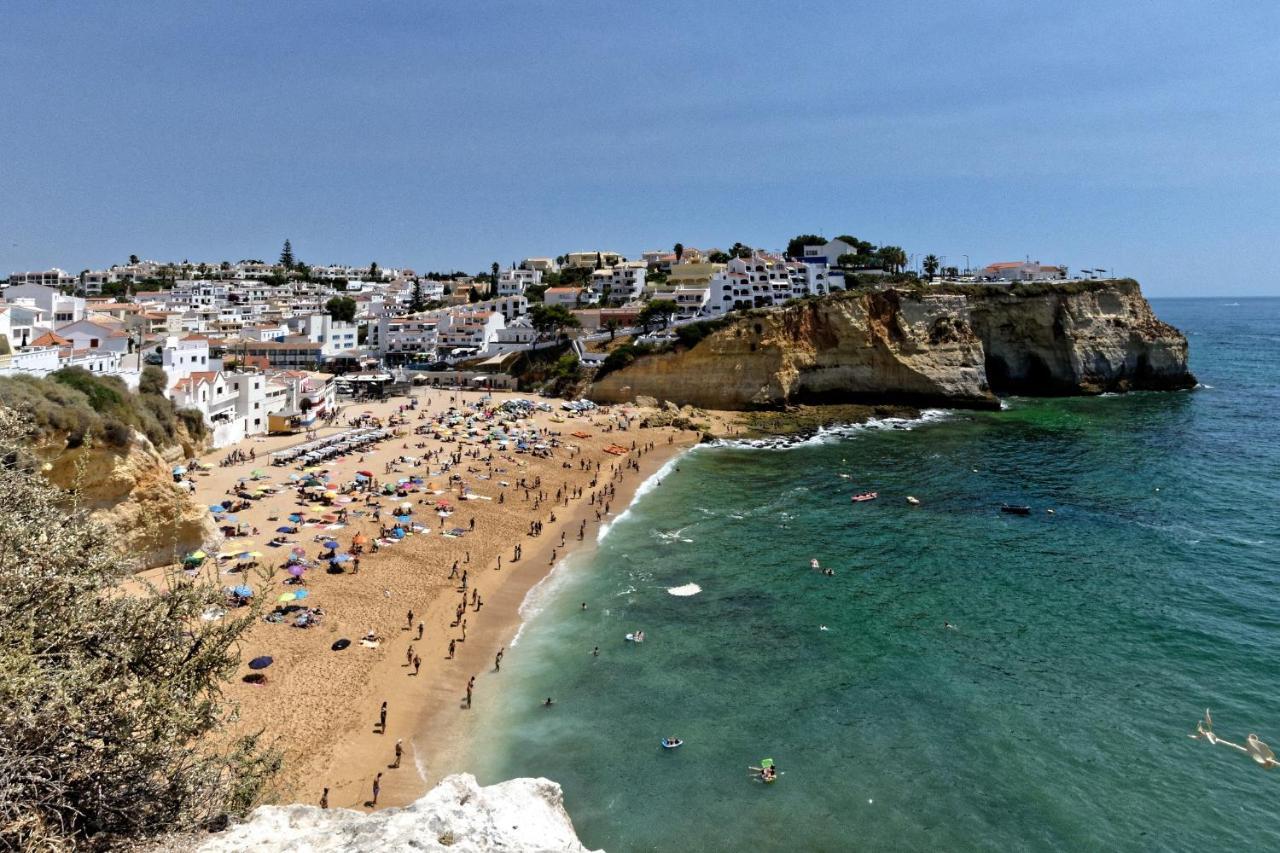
521	816
923	348
131	490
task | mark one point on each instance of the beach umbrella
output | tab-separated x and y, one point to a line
260	662
296	571
229	518
360	539
197	555
331	544
215	507
295	517
364	473
178	471
242	591
255	554
256	472
298	549
288	596
301	594
243	555
284	528
342	558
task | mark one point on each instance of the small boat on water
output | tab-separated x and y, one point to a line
865	496
1011	509
913	500
672	743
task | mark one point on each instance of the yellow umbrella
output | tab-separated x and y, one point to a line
255	554
198	555
288	596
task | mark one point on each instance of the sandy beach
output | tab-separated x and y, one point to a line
320	706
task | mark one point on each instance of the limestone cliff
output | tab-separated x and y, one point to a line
922	347
131	490
520	816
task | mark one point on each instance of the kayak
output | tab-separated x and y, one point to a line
1015	510
865	496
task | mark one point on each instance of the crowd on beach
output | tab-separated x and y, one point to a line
477	450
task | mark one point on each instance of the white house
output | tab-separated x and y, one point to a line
1022	271
514	282
58	308
620	284
827	253
181	357
54	278
414	337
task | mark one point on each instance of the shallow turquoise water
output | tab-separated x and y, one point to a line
1054	715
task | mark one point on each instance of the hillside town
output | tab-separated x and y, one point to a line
260	348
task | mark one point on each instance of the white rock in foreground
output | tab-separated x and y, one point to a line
520	815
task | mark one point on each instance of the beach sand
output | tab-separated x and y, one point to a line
319	706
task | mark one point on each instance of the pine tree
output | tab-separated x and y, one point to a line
286	256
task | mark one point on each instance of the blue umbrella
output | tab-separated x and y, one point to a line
245	556
404	519
361	477
398	533
283	529
301	593
215	507
243	591
260	663
295	517
228	518
331	545
342	558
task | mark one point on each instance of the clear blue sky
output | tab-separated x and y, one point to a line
1139	136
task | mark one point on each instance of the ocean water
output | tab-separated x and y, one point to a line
1053	715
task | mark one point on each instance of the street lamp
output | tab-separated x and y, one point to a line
966	264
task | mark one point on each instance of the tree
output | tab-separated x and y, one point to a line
862	246
795	246
679	250
473	295
133	259
114	721
373	271
930	265
599	261
658	311
893	257
286	256
153	381
494	269
552	319
341	308
719	257
740	250
417	302
611	326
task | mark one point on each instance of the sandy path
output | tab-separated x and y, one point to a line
321	706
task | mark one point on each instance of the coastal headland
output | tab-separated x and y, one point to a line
956	346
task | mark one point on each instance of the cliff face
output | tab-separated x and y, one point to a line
925	348
520	816
131	490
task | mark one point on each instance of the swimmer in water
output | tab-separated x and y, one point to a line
949	626
822	627
813	564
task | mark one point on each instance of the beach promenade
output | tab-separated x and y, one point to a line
320	705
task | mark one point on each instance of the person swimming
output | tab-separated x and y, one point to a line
813	564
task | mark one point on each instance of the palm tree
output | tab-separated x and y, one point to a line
930	265
679	250
893	257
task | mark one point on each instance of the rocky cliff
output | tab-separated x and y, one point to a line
921	347
131	490
520	816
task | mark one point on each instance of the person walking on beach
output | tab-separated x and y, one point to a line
453	573
421	628
324	799
377	788
497	659
399	753
468	697
417	663
409	621
382	718
453	644
408	655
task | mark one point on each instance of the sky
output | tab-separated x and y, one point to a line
1138	137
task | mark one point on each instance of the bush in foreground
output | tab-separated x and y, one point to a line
113	715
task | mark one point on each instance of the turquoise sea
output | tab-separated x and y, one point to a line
1053	716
